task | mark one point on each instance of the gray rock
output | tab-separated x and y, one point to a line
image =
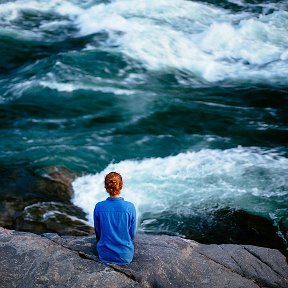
29	260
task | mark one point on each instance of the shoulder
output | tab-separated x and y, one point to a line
100	204
129	203
130	206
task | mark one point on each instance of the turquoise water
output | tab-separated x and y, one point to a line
187	99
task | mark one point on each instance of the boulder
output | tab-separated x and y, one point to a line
55	181
236	226
64	219
39	201
30	260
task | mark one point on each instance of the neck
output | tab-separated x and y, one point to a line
115	196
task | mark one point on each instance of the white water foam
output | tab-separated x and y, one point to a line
50	81
203	41
70	87
246	178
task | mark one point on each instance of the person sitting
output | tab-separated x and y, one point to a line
115	224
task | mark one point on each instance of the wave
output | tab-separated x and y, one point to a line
202	41
246	178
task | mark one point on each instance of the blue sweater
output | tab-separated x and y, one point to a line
115	227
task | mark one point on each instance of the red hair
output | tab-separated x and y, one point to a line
113	183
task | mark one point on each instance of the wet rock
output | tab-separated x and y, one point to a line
240	227
29	260
50	184
64	219
40	201
56	181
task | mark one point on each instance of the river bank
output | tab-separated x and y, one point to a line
41	202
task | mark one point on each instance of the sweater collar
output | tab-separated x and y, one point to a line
115	198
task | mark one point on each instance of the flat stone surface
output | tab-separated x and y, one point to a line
29	260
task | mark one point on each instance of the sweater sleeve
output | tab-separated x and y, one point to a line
132	230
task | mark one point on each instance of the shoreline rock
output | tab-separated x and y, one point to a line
49	260
40	201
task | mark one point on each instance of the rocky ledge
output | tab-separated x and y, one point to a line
49	260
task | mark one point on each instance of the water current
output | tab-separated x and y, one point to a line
186	99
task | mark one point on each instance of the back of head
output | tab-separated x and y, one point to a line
113	183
